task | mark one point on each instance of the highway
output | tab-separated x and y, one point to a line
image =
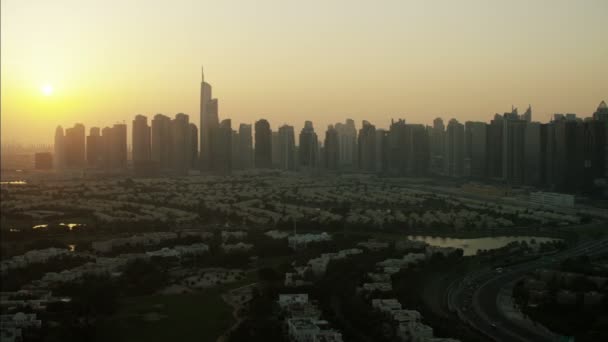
475	299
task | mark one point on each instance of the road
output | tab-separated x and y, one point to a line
475	299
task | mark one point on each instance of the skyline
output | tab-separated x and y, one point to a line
288	62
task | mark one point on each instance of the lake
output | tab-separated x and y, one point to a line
471	246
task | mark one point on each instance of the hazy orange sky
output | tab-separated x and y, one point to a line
289	61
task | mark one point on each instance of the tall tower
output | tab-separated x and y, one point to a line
209	124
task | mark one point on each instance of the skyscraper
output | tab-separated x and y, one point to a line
75	146
180	156
476	149
381	153
60	149
367	147
141	137
209	123
495	150
245	146
263	145
437	137
161	141
222	163
275	149
309	146
114	142
513	149
533	153
331	150
418	150
236	153
95	148
287	148
398	148
193	137
347	136
454	149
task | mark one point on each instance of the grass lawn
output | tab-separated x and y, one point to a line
184	317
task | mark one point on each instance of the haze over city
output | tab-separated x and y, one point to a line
101	62
304	171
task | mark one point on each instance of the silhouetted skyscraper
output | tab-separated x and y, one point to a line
476	149
180	156
533	153
287	148
347	136
263	145
59	158
193	136
367	147
513	149
245	146
223	148
209	124
437	138
495	150
236	152
331	149
95	148
75	146
454	149
141	136
161	141
381	153
309	146
275	150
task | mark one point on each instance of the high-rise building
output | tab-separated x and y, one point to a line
209	124
331	149
114	146
601	114
275	150
381	153
236	155
180	157
533	154
527	116
437	137
513	149
287	148
245	146
95	148
141	136
454	149
347	136
495	150
75	146
60	149
419	150
398	148
263	145
476	149
565	143
309	146
161	141
367	147
222	163
594	153
193	136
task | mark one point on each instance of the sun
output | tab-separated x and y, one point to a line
47	90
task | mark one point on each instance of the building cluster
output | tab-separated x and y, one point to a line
567	154
31	257
303	320
407	323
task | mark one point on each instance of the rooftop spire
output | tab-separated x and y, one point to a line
202	74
